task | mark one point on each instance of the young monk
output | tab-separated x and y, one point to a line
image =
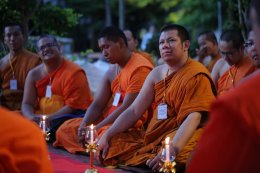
57	88
119	88
231	141
22	147
180	92
251	49
232	50
14	67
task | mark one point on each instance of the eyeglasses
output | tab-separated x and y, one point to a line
48	45
249	44
228	54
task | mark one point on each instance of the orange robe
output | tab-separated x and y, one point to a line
22	146
130	80
69	87
234	74
22	64
147	56
188	90
231	141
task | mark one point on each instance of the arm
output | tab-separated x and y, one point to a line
215	72
29	97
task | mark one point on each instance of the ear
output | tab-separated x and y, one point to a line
121	43
186	45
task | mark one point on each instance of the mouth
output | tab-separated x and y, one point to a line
255	57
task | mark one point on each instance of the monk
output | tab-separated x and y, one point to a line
208	53
22	148
133	43
180	93
119	88
58	88
251	49
14	67
232	50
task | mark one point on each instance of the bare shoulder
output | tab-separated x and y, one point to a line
3	62
36	73
157	74
111	72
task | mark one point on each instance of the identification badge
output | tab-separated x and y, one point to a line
48	91
116	99
13	84
162	111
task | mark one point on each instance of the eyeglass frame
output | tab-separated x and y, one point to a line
48	45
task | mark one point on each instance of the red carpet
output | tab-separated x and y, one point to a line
64	164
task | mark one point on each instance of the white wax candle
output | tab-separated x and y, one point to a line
92	134
167	149
44	124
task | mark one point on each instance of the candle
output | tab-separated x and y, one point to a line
167	149
44	124
91	134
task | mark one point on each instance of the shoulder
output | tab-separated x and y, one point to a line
3	62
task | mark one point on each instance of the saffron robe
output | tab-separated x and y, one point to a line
22	64
188	90
22	146
69	86
234	74
230	142
147	56
130	80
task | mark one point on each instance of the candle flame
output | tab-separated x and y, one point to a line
43	117
167	141
91	126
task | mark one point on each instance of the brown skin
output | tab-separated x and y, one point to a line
175	54
131	41
256	27
52	59
251	49
118	54
206	48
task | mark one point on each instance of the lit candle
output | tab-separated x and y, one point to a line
91	134
44	124
167	149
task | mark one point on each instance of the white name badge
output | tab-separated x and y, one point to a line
13	84
48	91
116	99
162	112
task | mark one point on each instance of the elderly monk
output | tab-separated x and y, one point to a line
132	44
122	83
208	53
232	50
22	147
180	92
14	67
57	88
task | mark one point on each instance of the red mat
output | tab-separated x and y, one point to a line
64	164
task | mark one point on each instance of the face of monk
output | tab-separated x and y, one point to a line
132	43
206	46
171	48
256	28
13	37
48	49
251	49
110	50
229	53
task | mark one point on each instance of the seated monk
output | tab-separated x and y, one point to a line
22	147
57	88
132	45
14	67
208	53
180	93
119	88
232	50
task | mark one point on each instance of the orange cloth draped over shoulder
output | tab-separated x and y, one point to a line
234	74
129	80
231	141
69	86
22	146
188	90
147	56
21	64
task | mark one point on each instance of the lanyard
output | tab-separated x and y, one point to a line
164	84
10	62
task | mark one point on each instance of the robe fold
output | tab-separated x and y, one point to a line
22	64
234	75
69	86
188	90
22	146
230	142
129	80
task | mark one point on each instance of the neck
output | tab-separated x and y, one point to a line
125	58
14	53
177	65
51	66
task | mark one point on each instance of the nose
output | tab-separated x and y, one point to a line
104	52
